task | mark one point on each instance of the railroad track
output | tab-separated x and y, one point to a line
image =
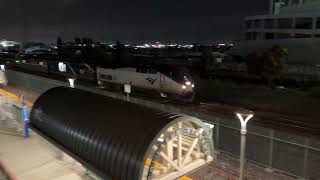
273	120
265	118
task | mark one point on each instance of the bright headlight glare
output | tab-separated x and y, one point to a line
192	85
188	83
184	87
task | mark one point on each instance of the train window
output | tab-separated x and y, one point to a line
152	71
107	77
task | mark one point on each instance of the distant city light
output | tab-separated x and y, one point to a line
173	45
159	45
5	43
146	45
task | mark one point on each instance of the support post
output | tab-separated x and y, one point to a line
128	97
217	134
179	146
271	148
305	158
242	154
25	117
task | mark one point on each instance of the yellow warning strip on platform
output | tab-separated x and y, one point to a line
185	178
13	97
158	165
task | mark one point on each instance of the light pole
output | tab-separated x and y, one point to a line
3	77
241	115
71	82
2	67
127	90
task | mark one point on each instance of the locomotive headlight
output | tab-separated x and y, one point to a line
192	85
184	87
188	83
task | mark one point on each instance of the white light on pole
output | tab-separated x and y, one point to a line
244	117
62	67
71	82
127	90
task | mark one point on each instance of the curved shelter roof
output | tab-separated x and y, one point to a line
113	138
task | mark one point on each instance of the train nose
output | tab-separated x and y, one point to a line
187	88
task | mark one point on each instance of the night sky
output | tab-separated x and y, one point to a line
134	21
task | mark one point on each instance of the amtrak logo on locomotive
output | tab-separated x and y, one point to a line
151	80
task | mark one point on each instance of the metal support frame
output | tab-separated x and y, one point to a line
180	149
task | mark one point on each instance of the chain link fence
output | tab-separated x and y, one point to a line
291	153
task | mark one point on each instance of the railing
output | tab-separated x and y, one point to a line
293	154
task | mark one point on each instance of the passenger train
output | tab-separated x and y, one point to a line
168	81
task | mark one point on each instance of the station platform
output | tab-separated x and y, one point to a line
36	159
30	158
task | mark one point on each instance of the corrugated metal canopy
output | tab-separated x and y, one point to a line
111	137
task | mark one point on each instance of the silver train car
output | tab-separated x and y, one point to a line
168	81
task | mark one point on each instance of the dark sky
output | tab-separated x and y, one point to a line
134	21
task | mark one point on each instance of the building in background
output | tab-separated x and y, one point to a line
292	24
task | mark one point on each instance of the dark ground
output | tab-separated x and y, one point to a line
256	97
